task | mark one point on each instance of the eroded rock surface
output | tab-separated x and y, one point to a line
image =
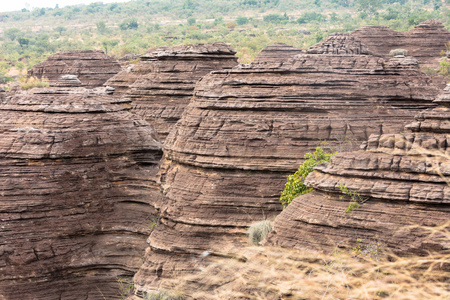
277	53
402	179
247	128
77	192
163	82
339	43
93	68
425	42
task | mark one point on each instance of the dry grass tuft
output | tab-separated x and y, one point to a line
32	82
278	273
396	52
258	231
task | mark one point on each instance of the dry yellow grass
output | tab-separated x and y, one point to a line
277	273
27	83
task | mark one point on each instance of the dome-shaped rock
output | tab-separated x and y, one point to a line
93	68
77	193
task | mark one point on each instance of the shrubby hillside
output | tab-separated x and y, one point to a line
28	37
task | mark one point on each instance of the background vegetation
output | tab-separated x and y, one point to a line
28	37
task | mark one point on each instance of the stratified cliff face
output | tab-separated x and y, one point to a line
402	177
93	68
247	128
425	42
77	191
162	84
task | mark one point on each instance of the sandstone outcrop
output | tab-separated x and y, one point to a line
400	177
277	53
93	68
77	193
339	43
247	128
163	82
425	42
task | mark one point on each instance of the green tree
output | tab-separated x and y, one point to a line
60	29
129	24
13	33
191	21
242	20
370	7
101	26
294	185
23	42
108	44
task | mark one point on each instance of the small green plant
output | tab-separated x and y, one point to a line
163	295
396	52
258	231
356	199
125	287
294	186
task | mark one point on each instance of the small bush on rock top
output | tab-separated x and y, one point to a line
396	52
258	231
294	185
162	295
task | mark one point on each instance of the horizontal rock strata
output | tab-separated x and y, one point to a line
277	53
247	128
77	188
163	82
401	178
93	68
425	42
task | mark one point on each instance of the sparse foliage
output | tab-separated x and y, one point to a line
355	199
294	185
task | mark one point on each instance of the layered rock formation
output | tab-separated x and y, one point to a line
93	68
247	128
425	42
163	82
401	178
277	53
340	43
77	193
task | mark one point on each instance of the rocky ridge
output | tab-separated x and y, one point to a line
77	194
425	42
402	179
162	83
247	128
93	68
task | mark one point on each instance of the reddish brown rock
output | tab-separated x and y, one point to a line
162	84
77	193
340	43
277	53
247	128
401	178
425	42
93	68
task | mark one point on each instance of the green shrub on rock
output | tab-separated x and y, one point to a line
294	185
